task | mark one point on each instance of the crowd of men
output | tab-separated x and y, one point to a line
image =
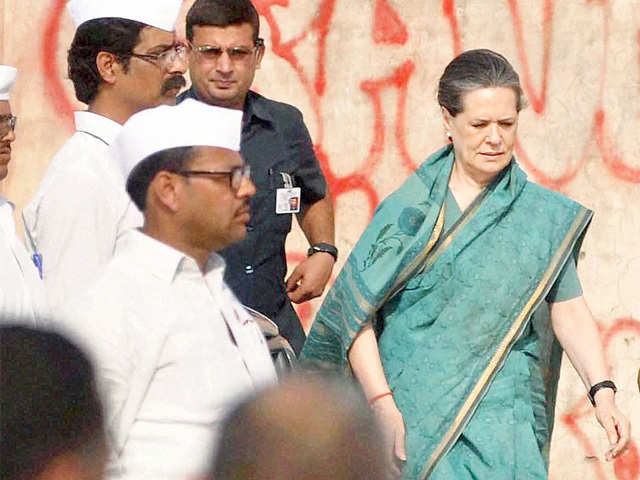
178	220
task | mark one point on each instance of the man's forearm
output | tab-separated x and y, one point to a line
317	222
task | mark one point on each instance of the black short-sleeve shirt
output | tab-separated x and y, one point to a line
274	140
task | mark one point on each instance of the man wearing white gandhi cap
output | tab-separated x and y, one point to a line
22	298
174	350
123	58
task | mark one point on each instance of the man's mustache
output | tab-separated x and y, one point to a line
174	82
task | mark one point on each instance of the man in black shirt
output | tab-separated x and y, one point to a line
225	53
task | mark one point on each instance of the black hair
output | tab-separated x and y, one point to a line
222	13
114	35
48	402
172	160
475	69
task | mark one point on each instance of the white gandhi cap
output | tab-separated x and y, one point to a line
7	79
161	14
188	124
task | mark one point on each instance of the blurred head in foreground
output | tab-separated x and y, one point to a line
51	420
309	429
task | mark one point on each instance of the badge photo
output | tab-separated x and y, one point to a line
288	200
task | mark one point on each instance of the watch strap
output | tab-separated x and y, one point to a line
599	386
323	247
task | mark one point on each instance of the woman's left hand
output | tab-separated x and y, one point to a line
614	423
578	334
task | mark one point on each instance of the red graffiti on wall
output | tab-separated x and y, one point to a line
448	9
53	83
387	25
399	79
388	28
538	99
601	136
609	150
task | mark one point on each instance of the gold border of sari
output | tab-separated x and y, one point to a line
468	407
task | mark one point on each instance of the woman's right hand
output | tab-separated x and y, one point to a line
392	425
364	358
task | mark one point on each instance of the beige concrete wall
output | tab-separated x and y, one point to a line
364	74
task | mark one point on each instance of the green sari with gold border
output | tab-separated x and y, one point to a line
462	334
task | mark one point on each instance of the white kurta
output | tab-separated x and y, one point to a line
80	209
22	297
174	351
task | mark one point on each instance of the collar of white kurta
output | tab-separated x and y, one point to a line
164	261
97	126
161	14
188	124
7	79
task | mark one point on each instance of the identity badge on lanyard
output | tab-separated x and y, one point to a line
288	198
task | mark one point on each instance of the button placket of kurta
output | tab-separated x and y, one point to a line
247	335
213	282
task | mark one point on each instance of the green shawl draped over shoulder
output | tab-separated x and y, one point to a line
452	304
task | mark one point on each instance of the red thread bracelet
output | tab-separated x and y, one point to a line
379	396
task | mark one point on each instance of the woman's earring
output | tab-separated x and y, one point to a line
449	136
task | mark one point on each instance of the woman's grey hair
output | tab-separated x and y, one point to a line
475	69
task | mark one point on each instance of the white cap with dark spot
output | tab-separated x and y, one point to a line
188	124
7	79
161	14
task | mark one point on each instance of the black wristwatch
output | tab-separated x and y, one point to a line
323	247
599	386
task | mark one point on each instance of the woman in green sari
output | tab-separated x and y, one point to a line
454	307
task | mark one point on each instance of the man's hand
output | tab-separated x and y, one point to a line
310	277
